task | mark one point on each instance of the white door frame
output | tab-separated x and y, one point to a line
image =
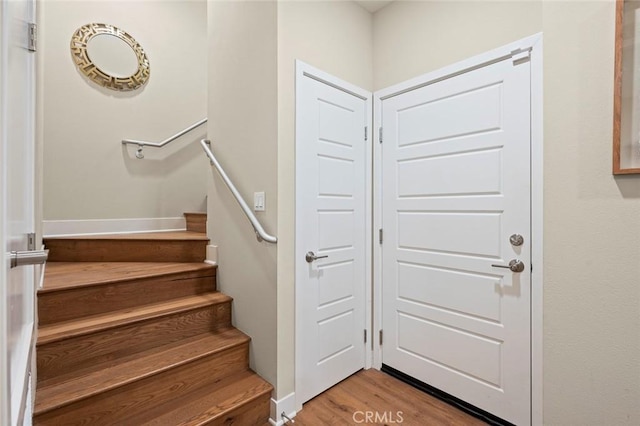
534	45
24	411
304	70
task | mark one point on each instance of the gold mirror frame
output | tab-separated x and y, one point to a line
79	42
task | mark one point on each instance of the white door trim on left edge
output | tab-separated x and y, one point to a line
534	45
17	187
304	70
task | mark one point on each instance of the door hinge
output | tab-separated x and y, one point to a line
366	137
380	235
519	56
380	335
31	241
365	335
33	36
380	134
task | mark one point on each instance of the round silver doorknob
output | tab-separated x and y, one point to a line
515	265
311	256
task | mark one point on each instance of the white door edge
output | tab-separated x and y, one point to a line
26	406
534	44
304	70
15	381
4	364
537	234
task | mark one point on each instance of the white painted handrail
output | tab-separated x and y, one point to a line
257	227
141	144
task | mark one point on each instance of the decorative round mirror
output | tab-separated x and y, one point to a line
110	57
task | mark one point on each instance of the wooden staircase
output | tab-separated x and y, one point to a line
133	332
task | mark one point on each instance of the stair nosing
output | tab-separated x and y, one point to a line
225	412
217	416
229	380
236	406
242	339
133	319
116	280
179	236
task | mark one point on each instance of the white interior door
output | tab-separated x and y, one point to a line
331	223
17	130
455	187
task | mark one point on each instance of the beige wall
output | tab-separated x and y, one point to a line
414	37
592	229
335	37
87	173
591	219
253	48
243	129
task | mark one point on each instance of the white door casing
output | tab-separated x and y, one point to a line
17	141
455	185
333	219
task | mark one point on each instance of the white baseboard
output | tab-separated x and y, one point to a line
212	254
285	405
57	228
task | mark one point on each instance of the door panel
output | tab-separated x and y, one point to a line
444	175
441	287
481	107
423	231
17	125
455	186
417	338
330	216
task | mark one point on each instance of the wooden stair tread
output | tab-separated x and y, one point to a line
133	332
77	327
145	236
206	405
68	275
61	391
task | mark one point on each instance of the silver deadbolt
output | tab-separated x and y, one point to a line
516	265
516	240
311	256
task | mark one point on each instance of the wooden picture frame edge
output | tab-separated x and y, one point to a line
617	94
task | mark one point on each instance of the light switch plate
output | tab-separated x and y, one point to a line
258	201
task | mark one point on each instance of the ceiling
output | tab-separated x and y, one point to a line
373	5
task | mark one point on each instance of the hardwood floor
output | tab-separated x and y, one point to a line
371	392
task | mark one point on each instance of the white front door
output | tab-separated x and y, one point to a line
455	188
17	136
331	223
